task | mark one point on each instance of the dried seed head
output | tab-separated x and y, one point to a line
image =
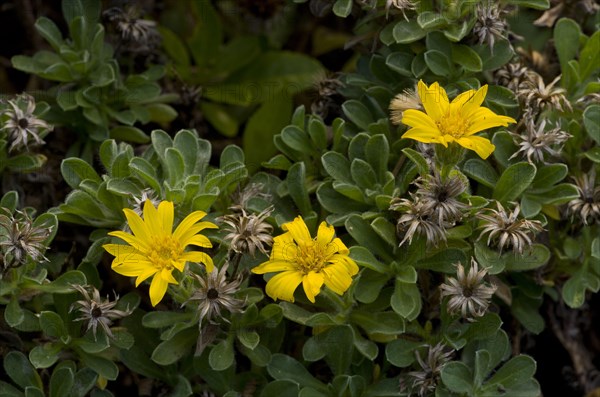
537	96
21	240
22	125
215	293
439	196
587	206
326	95
512	75
417	218
468	292
424	381
97	311
402	5
537	141
248	232
138	35
241	197
505	229
489	24
138	201
408	99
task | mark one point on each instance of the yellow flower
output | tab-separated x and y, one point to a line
155	250
444	122
312	262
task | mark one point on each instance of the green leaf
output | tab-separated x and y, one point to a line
406	299
516	371
514	181
589	59
13	314
363	174
591	121
207	35
222	356
174	47
284	367
61	382
386	323
418	159
457	377
10	200
566	40
549	175
53	325
296	181
401	352
221	118
408	31
363	233
103	367
18	368
535	4
358	113
400	62
83	382
129	134
377	151
342	8
438	62
466	57
170	351
280	388
535	256
48	30
337	165
44	356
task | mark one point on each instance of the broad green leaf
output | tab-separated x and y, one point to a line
514	181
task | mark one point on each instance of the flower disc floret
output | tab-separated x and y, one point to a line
312	262
154	249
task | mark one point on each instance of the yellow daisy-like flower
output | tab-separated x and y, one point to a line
312	262
457	121
155	250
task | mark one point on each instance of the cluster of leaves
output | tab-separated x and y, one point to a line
374	340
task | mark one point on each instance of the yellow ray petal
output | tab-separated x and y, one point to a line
297	228
198	240
273	266
469	101
337	246
167	275
165	214
158	288
312	284
135	242
144	275
187	222
194	229
418	119
337	278
325	234
347	262
133	269
122	250
482	146
424	135
151	218
483	118
137	225
434	99
286	250
283	285
201	257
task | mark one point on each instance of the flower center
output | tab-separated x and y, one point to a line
23	123
212	294
165	250
453	124
96	312
312	257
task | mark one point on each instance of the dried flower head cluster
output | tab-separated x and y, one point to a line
248	232
513	75
587	206
138	35
22	125
489	24
97	311
424	381
432	209
215	293
139	201
536	142
536	96
469	294
327	98
505	229
402	5
20	240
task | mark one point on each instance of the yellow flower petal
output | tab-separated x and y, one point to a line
187	222
339	246
167	275
148	272
418	119
312	284
165	215
325	234
273	266
482	146
283	285
424	135
135	242
337	278
158	288
133	269
137	225
484	118
199	241
298	229
434	99
201	257
346	261
194	229
469	101
151	218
